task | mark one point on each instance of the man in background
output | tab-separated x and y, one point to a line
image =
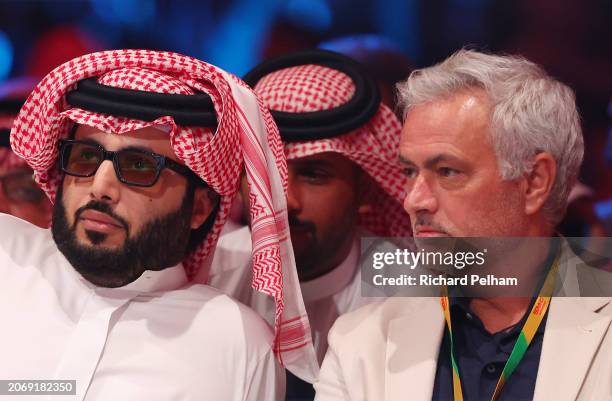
345	183
19	194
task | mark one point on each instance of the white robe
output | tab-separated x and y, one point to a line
158	338
325	298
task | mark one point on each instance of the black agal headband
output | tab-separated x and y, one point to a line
10	107
314	125
187	110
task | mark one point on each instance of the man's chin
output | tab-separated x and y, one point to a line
301	245
98	241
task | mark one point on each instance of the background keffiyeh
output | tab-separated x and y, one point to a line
373	146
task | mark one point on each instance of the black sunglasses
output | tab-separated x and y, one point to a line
132	166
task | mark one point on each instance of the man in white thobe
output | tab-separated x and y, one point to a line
122	143
156	338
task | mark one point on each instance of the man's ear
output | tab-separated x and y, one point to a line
539	182
204	201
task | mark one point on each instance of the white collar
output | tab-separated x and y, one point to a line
171	278
333	281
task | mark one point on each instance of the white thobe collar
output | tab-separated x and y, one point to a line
167	279
333	281
90	335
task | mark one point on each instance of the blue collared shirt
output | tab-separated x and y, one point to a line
481	357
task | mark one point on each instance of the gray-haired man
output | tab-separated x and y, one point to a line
491	146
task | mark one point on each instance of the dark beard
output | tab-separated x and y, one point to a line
320	256
161	243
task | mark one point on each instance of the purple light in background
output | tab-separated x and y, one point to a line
17	87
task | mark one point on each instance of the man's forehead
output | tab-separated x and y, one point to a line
324	158
462	117
432	159
453	127
160	132
154	139
448	113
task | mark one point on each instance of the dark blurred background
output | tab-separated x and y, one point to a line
569	38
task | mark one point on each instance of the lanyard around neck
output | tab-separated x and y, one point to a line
520	346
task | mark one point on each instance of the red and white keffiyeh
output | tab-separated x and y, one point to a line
374	146
245	135
8	159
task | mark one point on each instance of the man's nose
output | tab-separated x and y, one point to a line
294	201
106	184
420	197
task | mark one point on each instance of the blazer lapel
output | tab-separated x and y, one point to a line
413	343
573	333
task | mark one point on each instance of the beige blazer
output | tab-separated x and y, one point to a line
388	351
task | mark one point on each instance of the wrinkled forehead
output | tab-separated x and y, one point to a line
305	88
458	126
461	118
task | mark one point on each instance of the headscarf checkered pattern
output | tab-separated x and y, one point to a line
245	135
374	146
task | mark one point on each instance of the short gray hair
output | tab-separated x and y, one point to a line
531	113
